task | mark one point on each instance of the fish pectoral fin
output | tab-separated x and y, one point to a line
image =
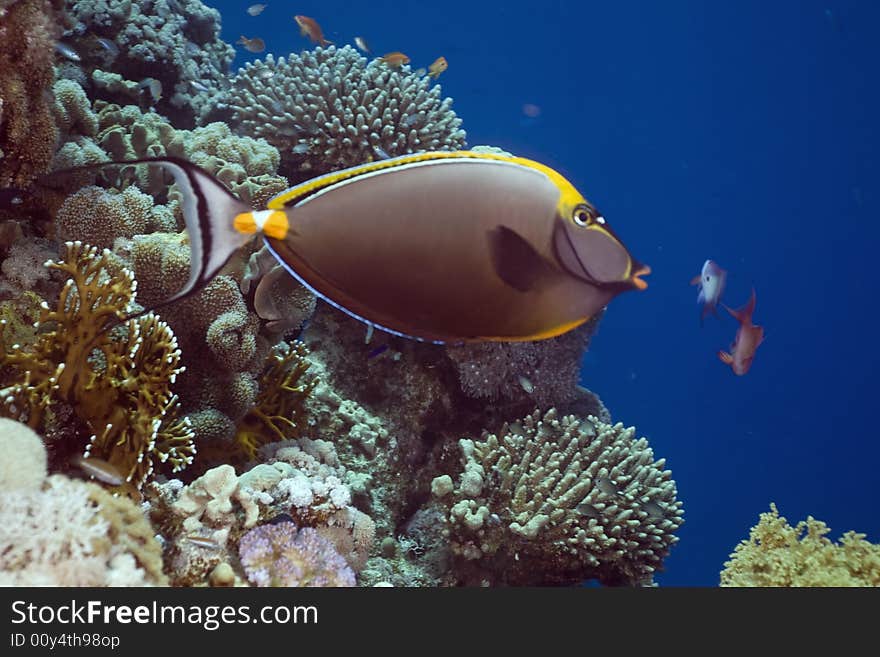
725	357
517	262
696	279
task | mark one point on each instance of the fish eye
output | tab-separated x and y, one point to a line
583	216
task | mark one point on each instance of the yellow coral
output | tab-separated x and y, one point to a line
116	381
778	554
283	388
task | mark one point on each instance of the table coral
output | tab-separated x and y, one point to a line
118	382
777	554
558	500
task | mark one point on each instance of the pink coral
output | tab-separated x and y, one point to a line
279	555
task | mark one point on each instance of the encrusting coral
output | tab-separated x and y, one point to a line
777	554
117	382
279	555
327	109
558	500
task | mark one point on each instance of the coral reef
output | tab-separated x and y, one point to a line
301	481
27	127
56	531
545	371
327	109
279	555
124	46
117	383
558	500
777	554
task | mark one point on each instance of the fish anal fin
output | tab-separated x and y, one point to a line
517	262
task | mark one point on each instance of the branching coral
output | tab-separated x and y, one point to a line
559	500
777	554
279	405
328	109
117	382
279	555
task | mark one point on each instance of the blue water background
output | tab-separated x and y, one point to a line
744	132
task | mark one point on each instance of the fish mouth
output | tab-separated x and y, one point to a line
639	270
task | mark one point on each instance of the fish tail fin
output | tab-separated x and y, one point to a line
744	314
209	210
725	358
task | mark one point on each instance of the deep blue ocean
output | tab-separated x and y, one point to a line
743	132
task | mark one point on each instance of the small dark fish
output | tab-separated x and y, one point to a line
653	509
588	510
526	385
108	45
606	486
280	518
67	51
198	86
381	153
377	351
11	197
254	45
265	74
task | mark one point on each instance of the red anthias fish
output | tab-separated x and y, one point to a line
748	338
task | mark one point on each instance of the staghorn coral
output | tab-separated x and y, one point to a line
60	532
558	500
545	371
327	109
27	128
176	42
279	555
117	382
777	554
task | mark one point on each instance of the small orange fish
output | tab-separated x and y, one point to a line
308	27
251	45
440	64
748	338
394	59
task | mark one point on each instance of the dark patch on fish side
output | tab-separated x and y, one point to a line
516	262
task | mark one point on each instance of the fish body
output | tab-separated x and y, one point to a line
394	59
154	86
308	27
254	45
440	64
711	281
362	44
67	51
256	10
445	247
100	470
748	338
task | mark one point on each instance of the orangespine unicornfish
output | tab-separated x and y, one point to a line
440	246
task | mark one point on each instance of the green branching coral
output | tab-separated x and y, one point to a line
777	554
283	390
117	382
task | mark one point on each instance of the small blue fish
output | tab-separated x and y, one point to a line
377	351
711	281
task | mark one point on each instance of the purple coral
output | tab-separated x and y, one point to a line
279	555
